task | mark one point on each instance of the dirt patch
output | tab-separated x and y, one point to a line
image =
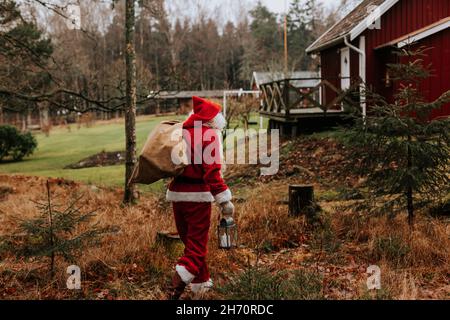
310	160
317	160
101	159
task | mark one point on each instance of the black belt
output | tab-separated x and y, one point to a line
189	180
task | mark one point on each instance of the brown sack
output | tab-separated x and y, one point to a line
155	161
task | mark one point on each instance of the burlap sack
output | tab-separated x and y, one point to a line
155	162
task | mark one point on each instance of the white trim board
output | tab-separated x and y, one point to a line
418	34
424	34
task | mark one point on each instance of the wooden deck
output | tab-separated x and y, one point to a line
296	114
290	100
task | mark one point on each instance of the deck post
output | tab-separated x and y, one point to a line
286	97
294	130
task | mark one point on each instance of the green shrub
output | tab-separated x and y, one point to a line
15	144
260	284
303	285
324	236
392	249
254	284
382	294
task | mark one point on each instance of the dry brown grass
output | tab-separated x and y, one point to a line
426	245
414	263
119	254
265	223
128	265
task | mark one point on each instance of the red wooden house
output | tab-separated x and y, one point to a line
362	44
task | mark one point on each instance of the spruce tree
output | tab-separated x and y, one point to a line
402	152
25	60
54	233
300	32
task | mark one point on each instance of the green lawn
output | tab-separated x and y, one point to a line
62	148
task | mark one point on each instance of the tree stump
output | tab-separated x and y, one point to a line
170	242
301	200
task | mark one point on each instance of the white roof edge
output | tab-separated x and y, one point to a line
424	34
368	21
360	28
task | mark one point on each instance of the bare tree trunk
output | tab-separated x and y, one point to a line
409	191
18	117
44	115
50	220
44	121
130	112
24	122
29	120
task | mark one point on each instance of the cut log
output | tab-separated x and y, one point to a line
301	200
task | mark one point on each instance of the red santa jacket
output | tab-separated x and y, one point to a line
201	181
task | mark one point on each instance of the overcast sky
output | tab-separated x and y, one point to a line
279	5
225	10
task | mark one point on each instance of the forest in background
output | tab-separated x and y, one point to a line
47	61
186	51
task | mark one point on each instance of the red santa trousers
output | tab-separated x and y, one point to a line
193	220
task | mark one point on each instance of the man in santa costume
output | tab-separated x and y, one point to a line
193	192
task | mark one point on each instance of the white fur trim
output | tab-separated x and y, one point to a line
184	274
201	287
174	196
224	196
218	122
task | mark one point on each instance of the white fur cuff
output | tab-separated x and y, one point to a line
174	196
201	287
184	274
224	196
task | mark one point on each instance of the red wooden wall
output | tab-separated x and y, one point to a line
330	68
439	59
403	18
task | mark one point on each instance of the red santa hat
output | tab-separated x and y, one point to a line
204	111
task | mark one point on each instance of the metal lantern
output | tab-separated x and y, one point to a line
227	233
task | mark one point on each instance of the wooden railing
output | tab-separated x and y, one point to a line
283	98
